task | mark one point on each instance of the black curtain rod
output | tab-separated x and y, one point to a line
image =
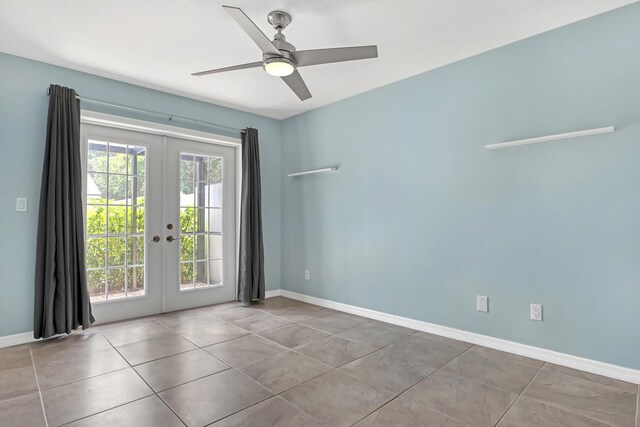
170	117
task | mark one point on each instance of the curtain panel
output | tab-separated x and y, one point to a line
62	301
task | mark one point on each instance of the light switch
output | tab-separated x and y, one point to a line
21	204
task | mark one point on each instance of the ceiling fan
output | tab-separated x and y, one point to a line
281	59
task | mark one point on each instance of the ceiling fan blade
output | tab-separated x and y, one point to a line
252	30
339	54
235	67
297	85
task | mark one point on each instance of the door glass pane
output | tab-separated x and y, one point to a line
116	244
96	281
214	221
186	275
215	271
97	157
200	220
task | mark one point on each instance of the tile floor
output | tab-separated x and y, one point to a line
286	363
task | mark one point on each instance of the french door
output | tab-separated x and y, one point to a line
200	244
160	222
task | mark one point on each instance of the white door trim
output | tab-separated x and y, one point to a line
108	120
126	123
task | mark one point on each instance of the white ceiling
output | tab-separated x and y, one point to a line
158	43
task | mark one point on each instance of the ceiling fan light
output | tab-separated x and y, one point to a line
279	67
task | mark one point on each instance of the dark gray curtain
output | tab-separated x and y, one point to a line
251	269
61	297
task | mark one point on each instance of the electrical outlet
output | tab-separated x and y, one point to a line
306	275
482	303
536	312
21	204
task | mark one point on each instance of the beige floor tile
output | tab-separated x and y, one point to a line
404	412
261	322
276	302
15	357
301	313
67	367
375	334
77	400
462	399
165	317
335	351
17	377
132	332
243	350
179	369
193	319
293	335
386	370
427	353
148	412
622	385
274	412
338	399
230	313
73	344
213	333
456	343
21	411
494	369
529	413
220	307
490	353
103	327
588	398
282	371
154	348
212	398
409	331
334	323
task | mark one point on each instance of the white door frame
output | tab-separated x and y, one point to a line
119	122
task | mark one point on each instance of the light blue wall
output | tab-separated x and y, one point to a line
421	218
23	115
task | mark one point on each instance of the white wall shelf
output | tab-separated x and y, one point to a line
323	170
548	138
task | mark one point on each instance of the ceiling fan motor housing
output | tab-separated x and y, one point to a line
286	49
279	19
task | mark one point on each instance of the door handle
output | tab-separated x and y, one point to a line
171	238
155	239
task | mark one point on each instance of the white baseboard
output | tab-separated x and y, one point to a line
575	362
23	338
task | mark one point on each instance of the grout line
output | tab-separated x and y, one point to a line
520	394
145	381
638	409
284	391
284	348
257	403
397	396
430	375
35	373
568	409
87	378
377	386
191	381
106	410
